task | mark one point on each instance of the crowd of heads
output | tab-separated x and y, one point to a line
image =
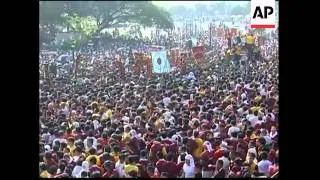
221	123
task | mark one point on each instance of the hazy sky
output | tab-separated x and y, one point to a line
169	4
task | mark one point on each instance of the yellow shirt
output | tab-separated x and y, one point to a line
250	39
126	137
72	148
107	115
130	167
95	156
256	108
258	98
198	151
253	168
44	174
253	136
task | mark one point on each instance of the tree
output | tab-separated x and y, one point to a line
111	13
240	10
178	10
219	7
91	17
50	16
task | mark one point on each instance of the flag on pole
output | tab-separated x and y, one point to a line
160	62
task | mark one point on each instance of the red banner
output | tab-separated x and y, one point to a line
138	65
174	53
198	52
182	62
149	65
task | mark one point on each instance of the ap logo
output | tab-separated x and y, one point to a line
263	14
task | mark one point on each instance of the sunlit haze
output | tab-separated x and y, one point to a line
169	4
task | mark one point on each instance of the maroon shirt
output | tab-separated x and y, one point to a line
171	168
271	102
161	166
154	149
232	142
208	158
134	145
94	168
111	174
179	168
242	148
144	162
272	155
167	143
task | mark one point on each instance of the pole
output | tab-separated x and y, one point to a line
210	29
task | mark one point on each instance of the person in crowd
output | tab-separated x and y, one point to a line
195	121
264	164
189	167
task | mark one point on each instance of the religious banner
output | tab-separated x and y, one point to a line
198	52
182	62
148	62
160	62
138	59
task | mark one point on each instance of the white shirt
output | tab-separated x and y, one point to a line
93	145
243	96
62	140
226	163
263	166
268	139
166	101
263	92
240	111
247	86
233	129
120	169
253	120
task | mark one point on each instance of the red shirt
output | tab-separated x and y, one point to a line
272	155
242	148
273	169
154	149
167	143
218	154
111	174
179	168
161	165
171	168
208	158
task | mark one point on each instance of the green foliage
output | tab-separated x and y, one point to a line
84	25
91	17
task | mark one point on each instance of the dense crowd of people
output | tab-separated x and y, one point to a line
217	120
